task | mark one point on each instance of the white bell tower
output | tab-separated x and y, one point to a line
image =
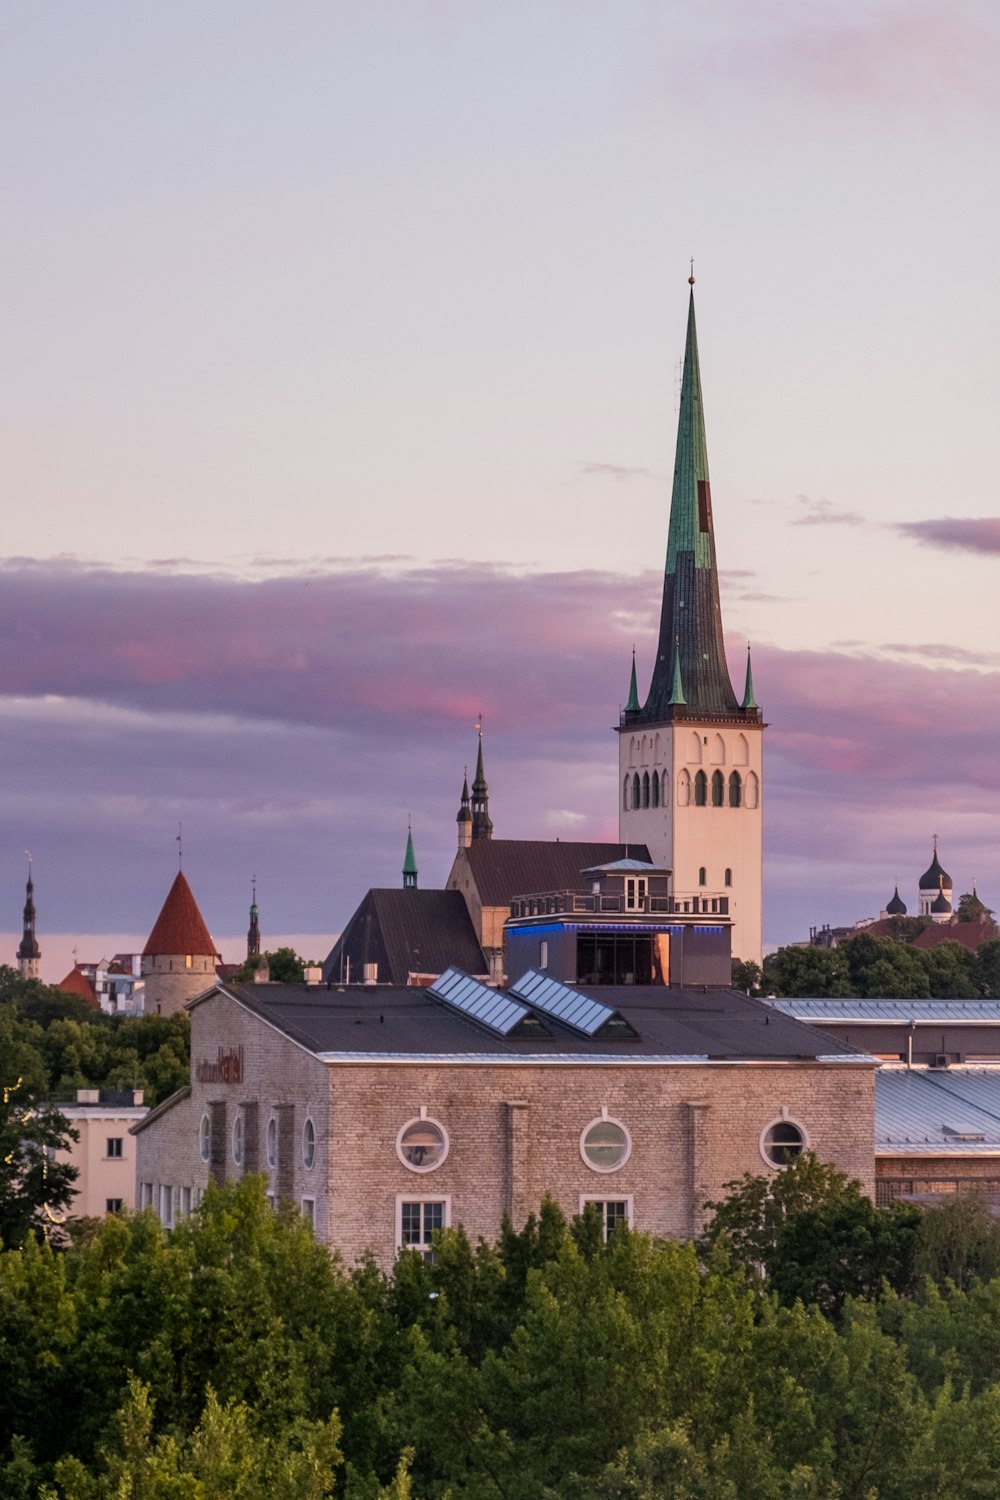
690	777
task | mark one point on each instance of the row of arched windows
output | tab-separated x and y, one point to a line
700	748
641	791
739	791
703	876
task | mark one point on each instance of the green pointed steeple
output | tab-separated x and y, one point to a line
632	706
691	616
749	701
409	864
677	690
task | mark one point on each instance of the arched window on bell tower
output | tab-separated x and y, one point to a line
718	789
735	789
700	789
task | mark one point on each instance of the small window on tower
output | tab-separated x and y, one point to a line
187	960
700	789
701	875
655	790
718	789
729	877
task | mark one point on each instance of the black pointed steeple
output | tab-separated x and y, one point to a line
253	931
29	953
482	827
691	648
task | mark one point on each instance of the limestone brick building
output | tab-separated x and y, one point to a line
385	1116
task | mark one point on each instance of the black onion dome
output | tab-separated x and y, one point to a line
934	877
941	903
897	906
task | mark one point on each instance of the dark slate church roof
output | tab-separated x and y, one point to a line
505	868
689	1025
406	931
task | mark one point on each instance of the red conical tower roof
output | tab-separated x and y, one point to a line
180	927
78	984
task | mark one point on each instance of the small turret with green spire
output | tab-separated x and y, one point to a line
633	705
749	701
677	697
409	862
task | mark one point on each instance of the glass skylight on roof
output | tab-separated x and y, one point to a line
562	1003
491	1008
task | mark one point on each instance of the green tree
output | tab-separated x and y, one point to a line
883	969
817	972
951	972
959	1241
284	967
816	1235
226	1457
987	969
35	1191
746	976
971	909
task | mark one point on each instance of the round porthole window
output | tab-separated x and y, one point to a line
309	1143
422	1145
238	1140
781	1142
205	1138
605	1145
272	1142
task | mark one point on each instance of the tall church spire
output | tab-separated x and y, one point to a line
482	826
691	616
253	931
29	954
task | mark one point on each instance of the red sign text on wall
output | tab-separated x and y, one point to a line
227	1067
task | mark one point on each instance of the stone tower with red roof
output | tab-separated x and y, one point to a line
178	961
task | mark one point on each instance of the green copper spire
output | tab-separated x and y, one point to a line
677	690
691	616
632	706
749	701
409	863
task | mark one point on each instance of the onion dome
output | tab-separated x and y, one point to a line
934	877
897	906
464	811
941	903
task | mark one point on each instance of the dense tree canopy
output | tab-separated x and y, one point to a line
881	968
58	1044
236	1358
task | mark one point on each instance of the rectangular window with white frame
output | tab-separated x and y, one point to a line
309	1211
115	1151
145	1195
613	1211
416	1221
184	1202
167	1207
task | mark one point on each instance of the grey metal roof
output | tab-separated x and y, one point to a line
721	1025
923	1111
490	1007
901	1011
625	866
570	1005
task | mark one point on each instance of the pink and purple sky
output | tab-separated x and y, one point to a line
339	388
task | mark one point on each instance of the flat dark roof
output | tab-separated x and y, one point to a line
721	1025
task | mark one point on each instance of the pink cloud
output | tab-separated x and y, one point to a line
294	723
953	534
